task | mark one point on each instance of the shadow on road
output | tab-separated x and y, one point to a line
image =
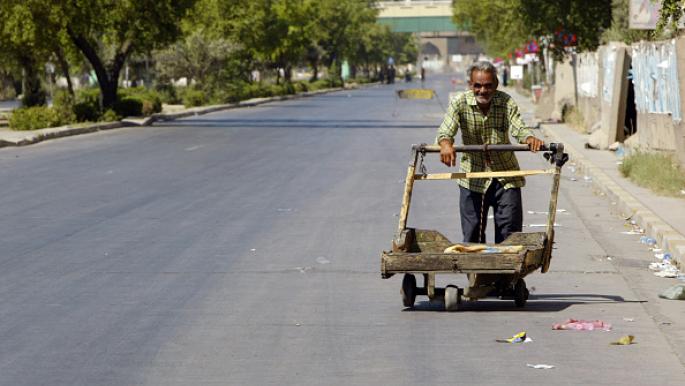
297	123
536	303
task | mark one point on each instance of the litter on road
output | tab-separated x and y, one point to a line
541	366
624	341
677	292
521	337
322	260
582	325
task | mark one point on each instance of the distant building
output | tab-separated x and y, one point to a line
443	44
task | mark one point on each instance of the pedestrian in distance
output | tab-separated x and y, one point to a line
486	116
423	75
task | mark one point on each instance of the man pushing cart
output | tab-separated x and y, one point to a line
489	177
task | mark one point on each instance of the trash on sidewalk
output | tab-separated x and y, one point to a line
624	341
664	269
633	232
541	225
582	325
651	241
677	292
628	319
546	212
541	366
521	337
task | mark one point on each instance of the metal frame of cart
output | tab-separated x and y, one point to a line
416	251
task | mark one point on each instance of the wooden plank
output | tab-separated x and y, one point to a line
406	197
454	176
547	257
451	262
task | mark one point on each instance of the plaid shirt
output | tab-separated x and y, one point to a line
476	129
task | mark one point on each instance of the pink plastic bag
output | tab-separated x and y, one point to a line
582	325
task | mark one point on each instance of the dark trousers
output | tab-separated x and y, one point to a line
506	204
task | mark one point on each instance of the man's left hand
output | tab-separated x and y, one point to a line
534	144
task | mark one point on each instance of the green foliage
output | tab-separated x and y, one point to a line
167	93
151	100
128	107
657	171
192	97
87	106
33	118
86	112
63	104
504	25
110	116
671	13
499	27
620	29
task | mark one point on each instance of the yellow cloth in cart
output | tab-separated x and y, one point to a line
482	248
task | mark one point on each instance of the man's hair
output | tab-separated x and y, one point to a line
484	66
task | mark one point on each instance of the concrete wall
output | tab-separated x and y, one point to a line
564	88
589	72
614	91
658	131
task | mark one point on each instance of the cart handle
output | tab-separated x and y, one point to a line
425	148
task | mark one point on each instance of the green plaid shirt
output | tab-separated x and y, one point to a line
477	129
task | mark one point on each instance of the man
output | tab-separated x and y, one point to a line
486	116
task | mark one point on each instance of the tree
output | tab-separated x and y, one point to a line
669	18
107	32
499	26
195	57
26	42
620	28
503	25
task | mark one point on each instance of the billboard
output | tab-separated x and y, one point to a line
644	14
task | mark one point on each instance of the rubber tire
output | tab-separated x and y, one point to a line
520	293
451	298
408	290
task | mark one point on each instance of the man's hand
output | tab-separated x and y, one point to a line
533	143
448	155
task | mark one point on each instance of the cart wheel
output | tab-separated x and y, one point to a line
451	298
520	293
408	290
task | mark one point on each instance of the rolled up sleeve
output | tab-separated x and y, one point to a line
517	127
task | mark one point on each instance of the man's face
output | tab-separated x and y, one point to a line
483	84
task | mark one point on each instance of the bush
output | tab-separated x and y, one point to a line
151	100
33	118
128	107
63	104
86	112
110	116
193	98
167	93
87	106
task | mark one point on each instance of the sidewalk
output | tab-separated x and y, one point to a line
662	218
22	138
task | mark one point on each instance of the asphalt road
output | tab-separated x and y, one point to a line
243	248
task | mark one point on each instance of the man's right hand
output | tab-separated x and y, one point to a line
448	155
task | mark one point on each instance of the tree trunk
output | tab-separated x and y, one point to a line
34	95
108	76
288	73
64	66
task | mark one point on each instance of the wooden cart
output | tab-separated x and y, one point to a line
498	274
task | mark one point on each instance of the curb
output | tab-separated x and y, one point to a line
40	135
666	236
